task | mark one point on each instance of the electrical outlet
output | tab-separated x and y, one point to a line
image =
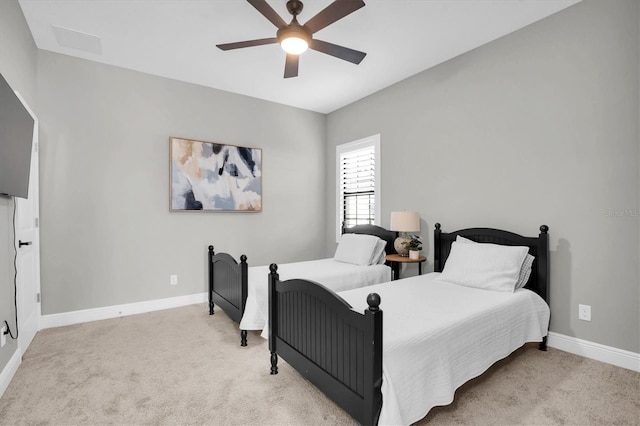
3	337
584	312
173	279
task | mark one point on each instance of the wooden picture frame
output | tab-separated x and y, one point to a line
214	177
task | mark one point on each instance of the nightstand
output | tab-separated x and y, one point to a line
395	260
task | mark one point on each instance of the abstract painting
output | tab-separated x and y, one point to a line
208	176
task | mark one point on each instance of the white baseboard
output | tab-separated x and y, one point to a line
107	312
7	373
608	354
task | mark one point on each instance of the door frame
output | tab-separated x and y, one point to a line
34	300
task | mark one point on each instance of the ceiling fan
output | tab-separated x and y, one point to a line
295	38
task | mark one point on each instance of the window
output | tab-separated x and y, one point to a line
358	191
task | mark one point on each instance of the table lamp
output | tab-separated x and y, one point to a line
404	222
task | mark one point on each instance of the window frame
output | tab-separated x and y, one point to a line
370	141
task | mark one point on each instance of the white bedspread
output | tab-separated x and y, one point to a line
437	336
337	276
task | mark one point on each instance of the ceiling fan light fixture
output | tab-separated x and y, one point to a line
294	45
293	38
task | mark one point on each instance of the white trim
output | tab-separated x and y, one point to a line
585	348
608	354
374	141
9	370
86	315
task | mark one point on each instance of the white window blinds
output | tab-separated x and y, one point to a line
358	183
358	186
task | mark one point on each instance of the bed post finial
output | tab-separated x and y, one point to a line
273	268
243	258
437	249
211	249
544	229
373	300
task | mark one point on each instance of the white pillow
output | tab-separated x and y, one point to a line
379	255
525	269
486	266
358	249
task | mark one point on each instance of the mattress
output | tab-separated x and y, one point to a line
437	336
338	276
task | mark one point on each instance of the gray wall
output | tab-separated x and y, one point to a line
107	235
18	64
538	127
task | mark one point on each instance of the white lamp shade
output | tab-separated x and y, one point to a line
405	221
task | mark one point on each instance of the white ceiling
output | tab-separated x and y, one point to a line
177	38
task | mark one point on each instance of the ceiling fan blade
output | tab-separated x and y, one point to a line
267	11
248	43
332	13
353	56
291	66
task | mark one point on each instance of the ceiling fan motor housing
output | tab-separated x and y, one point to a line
294	29
294	7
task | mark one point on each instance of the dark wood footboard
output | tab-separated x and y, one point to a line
228	286
335	348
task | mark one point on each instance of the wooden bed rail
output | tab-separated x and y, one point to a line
336	348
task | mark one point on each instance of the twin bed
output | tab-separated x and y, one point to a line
241	290
440	329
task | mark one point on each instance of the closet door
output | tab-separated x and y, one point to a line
27	243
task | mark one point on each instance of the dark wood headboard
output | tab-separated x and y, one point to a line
538	247
385	234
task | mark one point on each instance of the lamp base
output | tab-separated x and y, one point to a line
399	245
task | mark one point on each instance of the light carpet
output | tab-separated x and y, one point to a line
182	366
